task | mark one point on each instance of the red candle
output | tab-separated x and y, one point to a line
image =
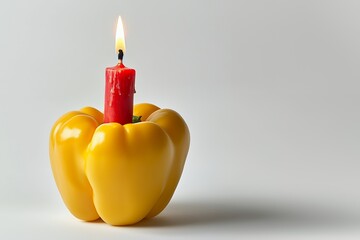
119	86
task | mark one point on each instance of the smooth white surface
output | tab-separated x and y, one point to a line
193	218
269	89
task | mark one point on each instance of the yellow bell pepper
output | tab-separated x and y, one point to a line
121	173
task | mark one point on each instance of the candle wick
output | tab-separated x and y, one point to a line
120	55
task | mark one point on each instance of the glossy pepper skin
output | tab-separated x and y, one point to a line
121	173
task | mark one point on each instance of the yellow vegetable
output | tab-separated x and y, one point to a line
121	173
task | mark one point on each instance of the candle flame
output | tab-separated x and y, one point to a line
120	37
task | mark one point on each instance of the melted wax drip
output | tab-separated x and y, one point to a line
115	86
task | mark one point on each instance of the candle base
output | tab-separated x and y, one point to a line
121	174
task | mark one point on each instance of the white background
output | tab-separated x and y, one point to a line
269	89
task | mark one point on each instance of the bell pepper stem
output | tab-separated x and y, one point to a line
136	119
